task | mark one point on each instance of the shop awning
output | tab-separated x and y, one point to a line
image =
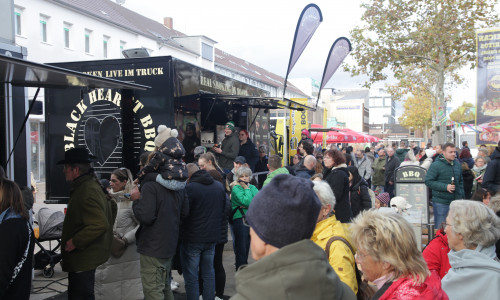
257	102
19	72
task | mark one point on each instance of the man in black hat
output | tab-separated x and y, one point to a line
88	225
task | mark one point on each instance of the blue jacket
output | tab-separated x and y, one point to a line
439	176
207	204
491	178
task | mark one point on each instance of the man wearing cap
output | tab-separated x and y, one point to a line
282	218
229	148
88	225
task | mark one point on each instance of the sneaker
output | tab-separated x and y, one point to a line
175	283
173	286
217	298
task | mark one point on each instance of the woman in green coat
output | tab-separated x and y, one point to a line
241	195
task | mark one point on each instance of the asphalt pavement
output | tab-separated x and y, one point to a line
55	287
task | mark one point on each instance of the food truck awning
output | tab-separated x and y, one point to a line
20	72
257	101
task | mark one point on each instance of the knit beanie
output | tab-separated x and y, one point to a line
163	134
231	125
384	198
285	211
306	132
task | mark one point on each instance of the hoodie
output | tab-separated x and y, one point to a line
474	274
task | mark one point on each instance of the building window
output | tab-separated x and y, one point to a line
87	40
105	46
122	47
207	52
17	22
67	34
43	28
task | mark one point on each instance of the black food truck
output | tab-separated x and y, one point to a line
118	125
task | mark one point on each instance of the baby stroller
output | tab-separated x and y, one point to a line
50	223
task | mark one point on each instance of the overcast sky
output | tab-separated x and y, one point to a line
261	32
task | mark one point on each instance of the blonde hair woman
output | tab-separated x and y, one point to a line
389	257
472	229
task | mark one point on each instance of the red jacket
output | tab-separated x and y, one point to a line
405	289
436	254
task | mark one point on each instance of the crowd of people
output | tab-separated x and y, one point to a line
314	228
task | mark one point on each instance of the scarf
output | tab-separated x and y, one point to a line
477	169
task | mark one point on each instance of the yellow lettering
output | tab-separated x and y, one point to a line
71	126
146	121
117	99
100	94
82	107
108	96
149	133
74	117
69	138
68	146
149	146
138	105
92	97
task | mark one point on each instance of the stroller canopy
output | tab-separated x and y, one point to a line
50	223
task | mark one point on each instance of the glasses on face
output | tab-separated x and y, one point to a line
359	256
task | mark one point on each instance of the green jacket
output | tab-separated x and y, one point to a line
89	222
439	176
401	153
271	175
230	148
296	271
379	171
242	197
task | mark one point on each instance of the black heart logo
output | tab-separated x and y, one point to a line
102	137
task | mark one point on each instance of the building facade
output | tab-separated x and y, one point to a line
78	30
348	106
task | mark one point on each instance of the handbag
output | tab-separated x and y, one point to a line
364	290
118	246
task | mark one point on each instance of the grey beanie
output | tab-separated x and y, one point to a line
285	211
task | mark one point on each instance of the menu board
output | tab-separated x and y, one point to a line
416	195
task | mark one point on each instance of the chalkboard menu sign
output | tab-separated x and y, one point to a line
410	184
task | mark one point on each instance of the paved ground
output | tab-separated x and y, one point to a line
56	286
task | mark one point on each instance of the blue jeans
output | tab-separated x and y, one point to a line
241	242
194	256
440	213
